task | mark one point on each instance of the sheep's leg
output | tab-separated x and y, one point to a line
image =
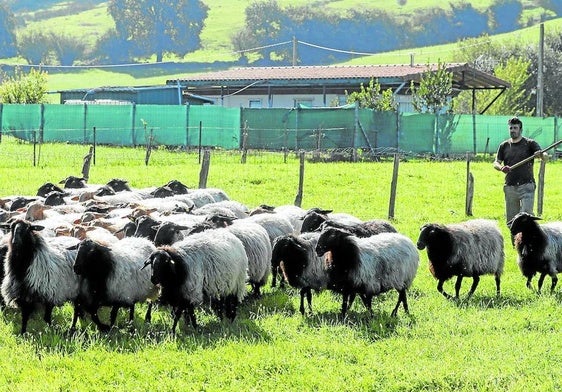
48	316
475	281
529	286
309	299
77	313
345	298
440	289
131	313
113	315
401	299
191	313
303	293
367	301
177	314
273	277
498	279
231	303
540	282
458	286
95	318
554	282
148	315
26	309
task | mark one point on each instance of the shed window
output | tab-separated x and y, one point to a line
254	103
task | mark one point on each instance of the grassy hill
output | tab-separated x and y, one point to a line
89	20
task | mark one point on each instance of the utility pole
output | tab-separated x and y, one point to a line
294	51
540	84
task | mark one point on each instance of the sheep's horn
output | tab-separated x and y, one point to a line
146	263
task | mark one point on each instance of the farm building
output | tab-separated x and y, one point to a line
321	86
147	95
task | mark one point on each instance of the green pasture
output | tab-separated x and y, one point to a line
489	343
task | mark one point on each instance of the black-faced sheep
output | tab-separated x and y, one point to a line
363	229
208	267
302	268
467	249
38	271
314	217
112	275
368	266
539	248
47	188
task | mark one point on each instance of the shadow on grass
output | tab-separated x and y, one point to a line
492	301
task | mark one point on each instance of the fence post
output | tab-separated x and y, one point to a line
200	136
133	115
94	146
186	127
244	142
298	199
1	115
540	187
148	147
393	186
86	164
85	123
469	188
34	146
204	174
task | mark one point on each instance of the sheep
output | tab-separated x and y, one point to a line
209	266
314	217
38	271
112	275
466	249
363	229
293	213
368	266
301	267
47	188
238	209
256	244
539	247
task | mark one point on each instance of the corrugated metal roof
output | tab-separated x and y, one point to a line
464	76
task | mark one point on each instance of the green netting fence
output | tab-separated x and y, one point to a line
267	129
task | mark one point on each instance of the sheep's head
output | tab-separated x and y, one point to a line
89	252
163	267
425	234
177	187
329	239
521	222
73	182
47	188
21	232
118	185
168	232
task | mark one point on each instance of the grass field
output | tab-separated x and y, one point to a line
510	343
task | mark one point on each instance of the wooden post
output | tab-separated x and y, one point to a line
393	186
86	165
469	188
540	188
94	146
34	148
298	199
200	137
148	147
204	173
244	143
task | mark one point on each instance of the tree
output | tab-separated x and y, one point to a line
160	26
66	48
372	97
7	36
34	47
22	88
434	90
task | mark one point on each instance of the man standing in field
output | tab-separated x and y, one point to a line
519	187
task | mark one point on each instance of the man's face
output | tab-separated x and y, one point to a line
514	131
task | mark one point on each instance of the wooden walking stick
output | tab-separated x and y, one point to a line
524	161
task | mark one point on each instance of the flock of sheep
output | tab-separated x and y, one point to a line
110	245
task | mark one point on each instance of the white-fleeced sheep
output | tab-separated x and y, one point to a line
38	271
539	248
368	266
208	267
299	264
113	275
466	249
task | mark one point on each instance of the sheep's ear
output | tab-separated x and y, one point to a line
536	218
73	247
36	227
325	211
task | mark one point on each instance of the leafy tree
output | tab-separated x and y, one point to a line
372	97
434	90
505	15
160	26
66	48
111	48
34	47
7	36
24	88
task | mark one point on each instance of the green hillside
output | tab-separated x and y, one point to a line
90	20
